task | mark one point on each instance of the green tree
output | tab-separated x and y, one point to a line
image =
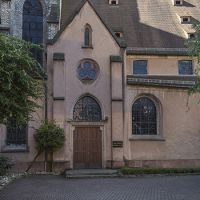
21	79
49	138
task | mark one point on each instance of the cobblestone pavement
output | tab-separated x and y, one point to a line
140	188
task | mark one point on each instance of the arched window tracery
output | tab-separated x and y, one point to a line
87	109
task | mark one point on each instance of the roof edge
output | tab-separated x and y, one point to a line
121	44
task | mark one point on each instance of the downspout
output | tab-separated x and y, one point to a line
123	51
46	91
111	114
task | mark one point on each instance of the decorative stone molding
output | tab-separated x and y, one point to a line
184	82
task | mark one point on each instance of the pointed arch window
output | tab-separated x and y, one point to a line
87	109
33	25
87	36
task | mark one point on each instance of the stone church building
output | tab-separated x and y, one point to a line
118	79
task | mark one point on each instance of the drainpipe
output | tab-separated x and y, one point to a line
123	51
111	114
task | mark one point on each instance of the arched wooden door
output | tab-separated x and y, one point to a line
87	140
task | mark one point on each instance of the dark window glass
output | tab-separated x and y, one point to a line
87	109
113	2
15	135
185	67
33	25
87	71
144	117
87	36
140	67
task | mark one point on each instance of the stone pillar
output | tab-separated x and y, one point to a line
117	111
59	88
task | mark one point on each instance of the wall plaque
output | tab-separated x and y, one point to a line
117	144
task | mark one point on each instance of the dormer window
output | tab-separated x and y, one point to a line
119	34
177	2
113	2
87	36
185	19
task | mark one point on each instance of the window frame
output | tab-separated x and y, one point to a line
89	28
26	32
159	120
147	68
95	67
113	4
78	104
192	65
15	148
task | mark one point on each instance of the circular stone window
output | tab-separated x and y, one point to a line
88	71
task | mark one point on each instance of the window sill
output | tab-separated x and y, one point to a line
146	138
87	47
15	149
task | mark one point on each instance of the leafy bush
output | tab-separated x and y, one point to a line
49	137
5	165
137	171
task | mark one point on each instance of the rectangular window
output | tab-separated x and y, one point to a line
16	136
185	67
140	67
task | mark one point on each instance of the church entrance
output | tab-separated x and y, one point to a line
87	148
87	138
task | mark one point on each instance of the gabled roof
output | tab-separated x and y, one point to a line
144	23
76	10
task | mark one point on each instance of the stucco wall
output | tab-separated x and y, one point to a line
70	43
159	65
179	117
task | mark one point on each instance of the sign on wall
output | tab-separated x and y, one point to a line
117	144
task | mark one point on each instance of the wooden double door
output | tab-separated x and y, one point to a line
87	148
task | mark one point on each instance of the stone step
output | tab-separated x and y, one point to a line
92	173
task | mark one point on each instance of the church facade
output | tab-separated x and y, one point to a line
118	81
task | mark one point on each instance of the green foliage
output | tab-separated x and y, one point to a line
20	79
194	44
49	137
194	51
140	171
5	165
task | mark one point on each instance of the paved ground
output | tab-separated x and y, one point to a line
58	188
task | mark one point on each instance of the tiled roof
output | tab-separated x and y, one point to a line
145	23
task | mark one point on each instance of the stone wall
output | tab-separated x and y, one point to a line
11	13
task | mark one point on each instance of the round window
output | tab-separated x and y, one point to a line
88	71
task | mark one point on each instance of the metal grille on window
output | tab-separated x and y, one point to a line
87	109
15	135
33	25
144	117
185	67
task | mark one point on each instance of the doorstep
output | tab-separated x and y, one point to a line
92	173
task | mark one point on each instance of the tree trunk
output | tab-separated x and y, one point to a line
45	160
31	164
51	161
